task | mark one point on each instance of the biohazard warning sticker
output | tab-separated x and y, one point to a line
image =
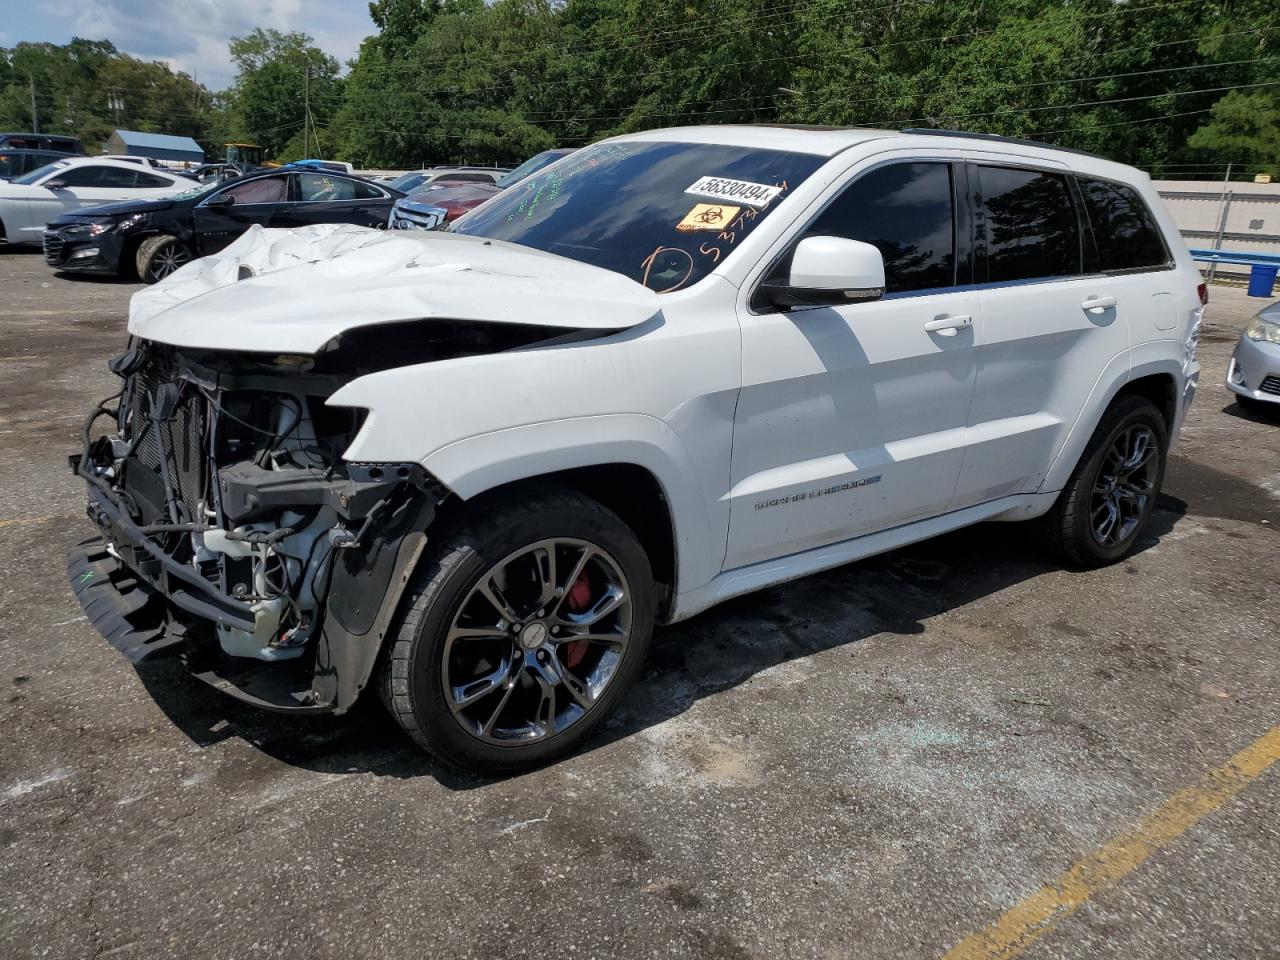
708	216
740	191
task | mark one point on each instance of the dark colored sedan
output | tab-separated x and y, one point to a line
156	237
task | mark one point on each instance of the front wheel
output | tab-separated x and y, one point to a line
1112	492
522	632
160	256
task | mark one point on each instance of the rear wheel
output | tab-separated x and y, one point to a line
1112	492
160	256
523	632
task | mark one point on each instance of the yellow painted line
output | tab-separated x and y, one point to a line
1101	870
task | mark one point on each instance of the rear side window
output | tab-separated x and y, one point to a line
117	179
1123	228
149	181
1032	230
324	187
906	211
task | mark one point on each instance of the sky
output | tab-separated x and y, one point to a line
190	35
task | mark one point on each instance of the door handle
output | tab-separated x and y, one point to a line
1098	304
948	326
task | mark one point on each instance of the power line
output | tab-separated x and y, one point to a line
1068	106
533	117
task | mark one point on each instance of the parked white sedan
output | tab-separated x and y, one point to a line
30	201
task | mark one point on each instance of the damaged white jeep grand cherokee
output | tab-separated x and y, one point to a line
473	468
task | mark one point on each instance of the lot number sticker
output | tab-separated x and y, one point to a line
739	191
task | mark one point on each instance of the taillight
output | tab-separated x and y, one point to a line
1203	290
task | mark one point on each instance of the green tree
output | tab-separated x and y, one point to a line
88	88
1244	127
278	73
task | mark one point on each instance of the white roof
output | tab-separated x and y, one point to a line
821	141
828	141
108	162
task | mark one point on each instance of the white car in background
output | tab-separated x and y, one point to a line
1254	373
30	201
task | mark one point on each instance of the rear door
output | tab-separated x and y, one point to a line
260	200
1126	245
1051	323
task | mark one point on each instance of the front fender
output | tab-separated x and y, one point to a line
472	466
641	396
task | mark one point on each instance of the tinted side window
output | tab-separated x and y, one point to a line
118	179
83	176
366	191
149	181
1031	224
320	187
906	211
265	190
1123	227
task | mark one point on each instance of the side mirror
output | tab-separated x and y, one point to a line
223	201
57	183
827	271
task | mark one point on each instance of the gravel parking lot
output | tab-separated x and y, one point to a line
880	761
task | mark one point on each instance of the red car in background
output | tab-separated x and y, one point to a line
439	203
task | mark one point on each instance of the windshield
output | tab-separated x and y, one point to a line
41	172
532	165
407	181
663	214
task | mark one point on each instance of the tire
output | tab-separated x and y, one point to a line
1072	523
159	256
426	674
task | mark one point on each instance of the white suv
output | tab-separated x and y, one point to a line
474	468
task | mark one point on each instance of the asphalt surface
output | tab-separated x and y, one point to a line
873	762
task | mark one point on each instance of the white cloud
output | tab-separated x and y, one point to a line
192	35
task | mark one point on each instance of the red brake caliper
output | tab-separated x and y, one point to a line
577	599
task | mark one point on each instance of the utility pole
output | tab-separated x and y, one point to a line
1224	207
306	111
35	116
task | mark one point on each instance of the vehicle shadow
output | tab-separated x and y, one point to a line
894	593
102	278
1268	415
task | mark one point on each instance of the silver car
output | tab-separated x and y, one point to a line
1254	372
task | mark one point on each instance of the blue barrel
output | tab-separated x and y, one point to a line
1261	280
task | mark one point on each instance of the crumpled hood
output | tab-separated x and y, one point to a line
292	291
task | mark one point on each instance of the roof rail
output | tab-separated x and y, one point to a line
1017	141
